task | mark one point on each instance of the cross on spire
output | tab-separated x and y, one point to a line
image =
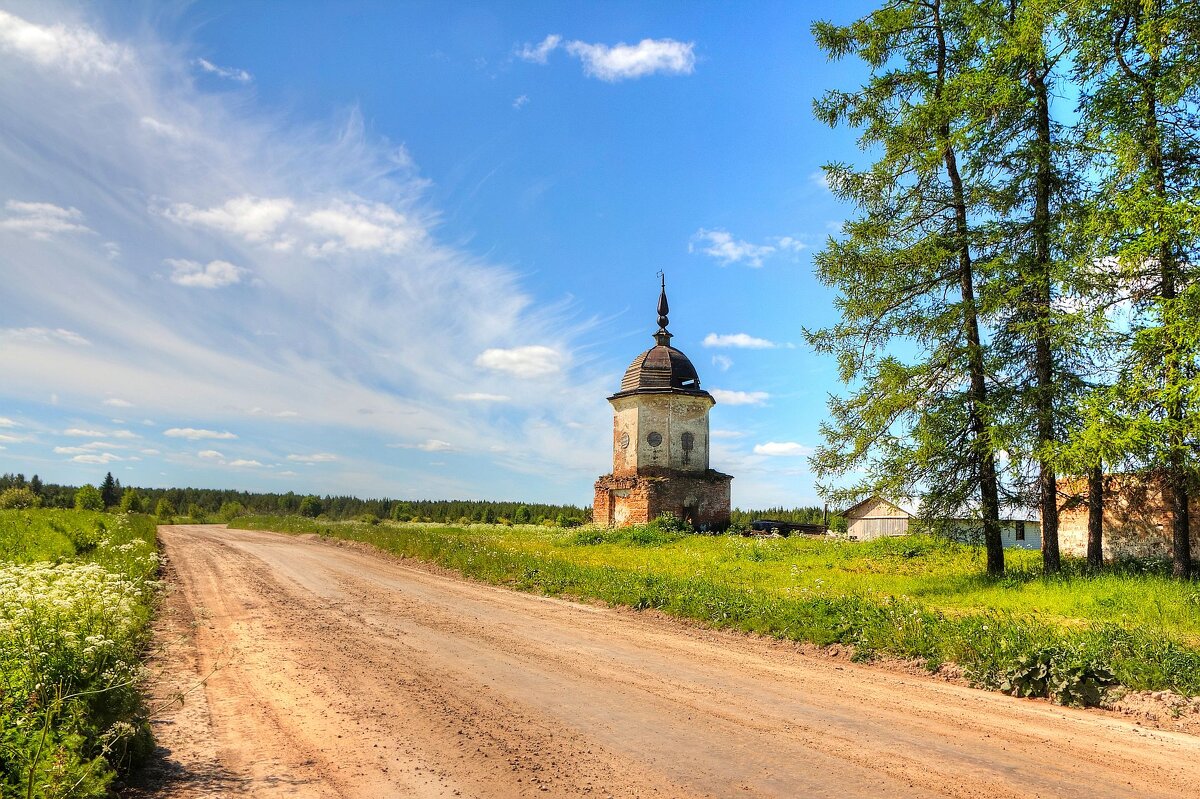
663	337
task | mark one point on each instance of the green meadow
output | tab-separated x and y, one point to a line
1067	636
76	594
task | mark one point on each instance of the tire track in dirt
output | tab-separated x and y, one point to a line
345	673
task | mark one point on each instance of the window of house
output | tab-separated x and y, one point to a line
1020	531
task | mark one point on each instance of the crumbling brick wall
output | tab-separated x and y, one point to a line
626	500
1137	522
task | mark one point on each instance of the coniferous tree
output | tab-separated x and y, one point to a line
906	272
109	491
1140	111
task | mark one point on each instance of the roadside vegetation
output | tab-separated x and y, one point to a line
76	589
1068	636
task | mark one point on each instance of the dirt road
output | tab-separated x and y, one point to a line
343	673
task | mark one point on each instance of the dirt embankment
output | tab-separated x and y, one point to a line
335	672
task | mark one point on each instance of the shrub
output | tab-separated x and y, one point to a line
230	511
131	502
164	510
19	499
310	506
88	498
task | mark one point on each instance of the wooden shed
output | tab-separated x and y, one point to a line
876	517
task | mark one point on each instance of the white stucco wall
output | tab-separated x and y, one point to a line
669	415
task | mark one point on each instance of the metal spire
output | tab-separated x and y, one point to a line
663	337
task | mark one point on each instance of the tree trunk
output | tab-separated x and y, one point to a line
985	458
1043	352
1095	544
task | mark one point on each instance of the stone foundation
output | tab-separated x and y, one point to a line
703	499
1137	522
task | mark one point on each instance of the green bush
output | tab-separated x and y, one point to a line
19	499
88	498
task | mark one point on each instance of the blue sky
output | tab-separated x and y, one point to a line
406	250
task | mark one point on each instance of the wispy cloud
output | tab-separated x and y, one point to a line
480	396
229	73
196	434
41	220
540	52
742	341
316	457
739	397
520	101
75	50
529	361
620	61
213	275
722	362
117	402
727	249
43	335
782	448
339	232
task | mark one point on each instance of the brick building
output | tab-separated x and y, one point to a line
660	443
1137	521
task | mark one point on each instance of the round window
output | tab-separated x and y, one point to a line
624	440
654	439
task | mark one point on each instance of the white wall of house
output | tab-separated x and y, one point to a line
876	518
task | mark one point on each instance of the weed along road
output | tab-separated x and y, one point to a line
342	673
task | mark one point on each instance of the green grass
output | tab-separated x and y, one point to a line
912	597
76	590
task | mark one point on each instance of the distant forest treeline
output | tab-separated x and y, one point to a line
206	502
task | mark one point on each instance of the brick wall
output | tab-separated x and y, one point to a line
1136	520
624	500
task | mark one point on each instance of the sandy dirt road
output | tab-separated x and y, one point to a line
342	673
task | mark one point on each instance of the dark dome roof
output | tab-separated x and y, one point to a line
661	368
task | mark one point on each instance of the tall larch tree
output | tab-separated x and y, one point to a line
918	418
1139	64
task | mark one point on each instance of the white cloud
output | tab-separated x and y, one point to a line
374	337
820	179
41	220
194	434
161	128
625	61
210	454
123	434
81	433
117	402
537	53
721	244
214	275
6	422
316	457
76	50
243	463
43	335
254	219
479	396
722	362
361	226
149	451
782	448
739	397
276	414
101	458
530	361
741	341
11	439
520	102
239	75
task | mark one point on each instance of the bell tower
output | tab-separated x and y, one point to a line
661	442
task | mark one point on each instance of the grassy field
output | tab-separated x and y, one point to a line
908	597
76	589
